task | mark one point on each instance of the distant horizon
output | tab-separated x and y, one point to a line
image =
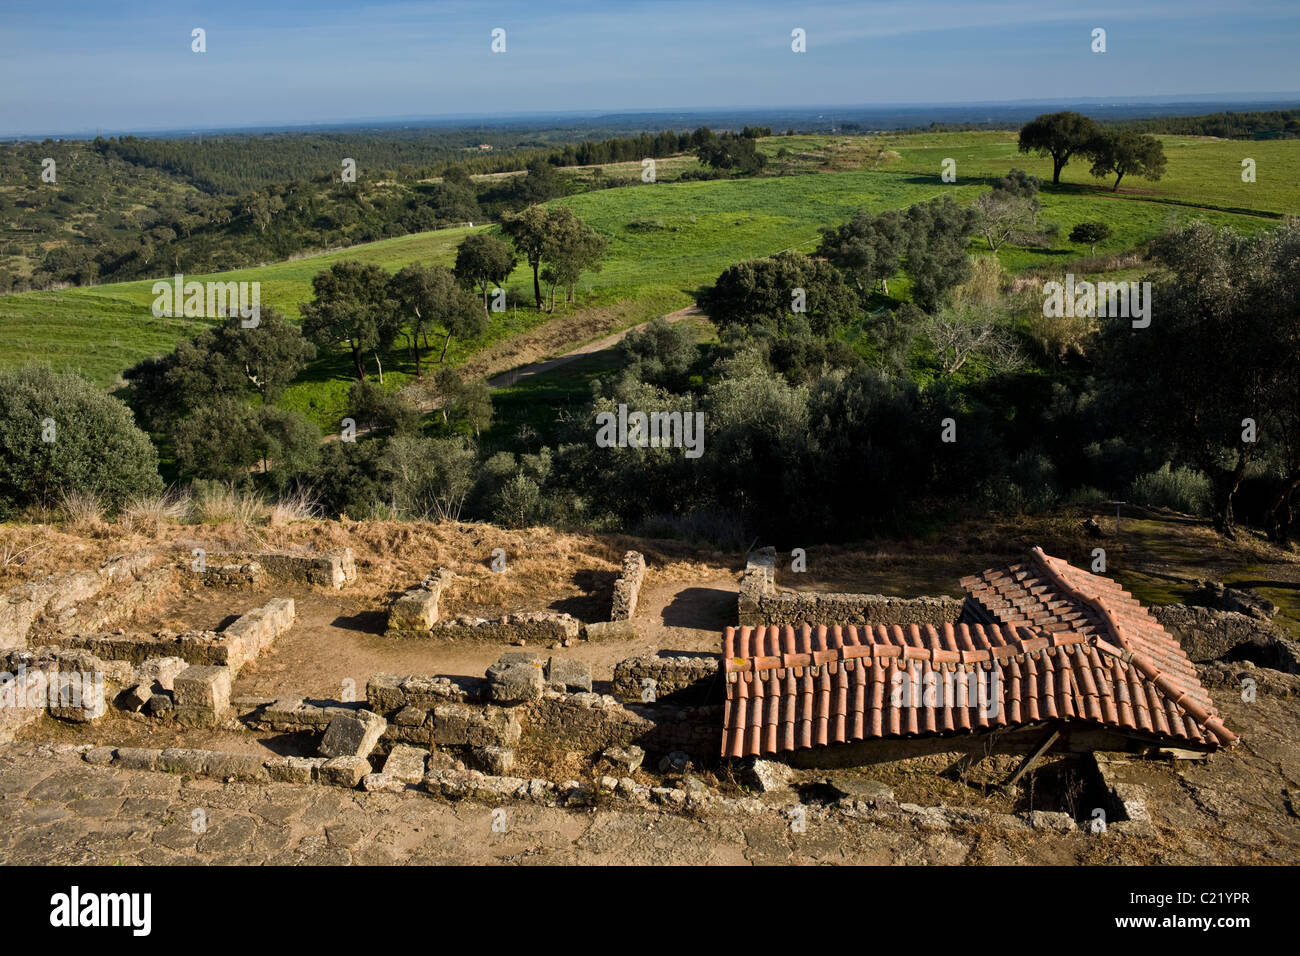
1214	102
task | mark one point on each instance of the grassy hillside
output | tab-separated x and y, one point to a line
668	238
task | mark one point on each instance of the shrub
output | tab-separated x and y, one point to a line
60	436
1179	489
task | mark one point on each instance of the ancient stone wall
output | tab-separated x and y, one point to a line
242	641
331	569
761	603
651	679
56	594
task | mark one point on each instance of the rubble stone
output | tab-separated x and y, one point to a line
352	735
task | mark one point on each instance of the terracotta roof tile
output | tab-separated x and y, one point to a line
1085	651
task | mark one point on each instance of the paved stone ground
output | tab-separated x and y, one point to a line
57	809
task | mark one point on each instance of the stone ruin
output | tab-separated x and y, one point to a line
416	613
761	602
77	667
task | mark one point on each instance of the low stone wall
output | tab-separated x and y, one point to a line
537	627
331	569
241	642
56	594
652	679
760	603
627	589
1210	635
590	723
246	575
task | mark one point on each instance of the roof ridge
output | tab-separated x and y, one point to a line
1159	679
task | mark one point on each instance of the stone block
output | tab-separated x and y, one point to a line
406	763
609	631
411	717
293	769
626	760
203	687
344	771
353	734
183	760
161	671
416	610
769	776
77	696
136	758
567	675
627	588
384	693
512	681
135	698
465	725
382	783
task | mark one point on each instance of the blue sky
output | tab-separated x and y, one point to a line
73	66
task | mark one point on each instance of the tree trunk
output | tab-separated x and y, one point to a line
1279	510
1225	487
419	371
445	343
1057	166
1115	188
359	364
537	284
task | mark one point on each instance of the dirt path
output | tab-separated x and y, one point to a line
514	376
492	363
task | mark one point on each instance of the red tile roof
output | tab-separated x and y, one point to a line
1051	594
1078	648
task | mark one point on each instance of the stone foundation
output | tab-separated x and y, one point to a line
330	569
241	642
56	594
761	603
652	679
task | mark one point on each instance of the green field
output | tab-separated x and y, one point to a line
669	238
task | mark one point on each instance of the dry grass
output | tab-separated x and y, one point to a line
225	504
298	506
150	514
83	511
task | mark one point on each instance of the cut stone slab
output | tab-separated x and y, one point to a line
461	725
204	687
567	675
406	763
344	771
77	696
136	698
353	735
417	609
162	671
